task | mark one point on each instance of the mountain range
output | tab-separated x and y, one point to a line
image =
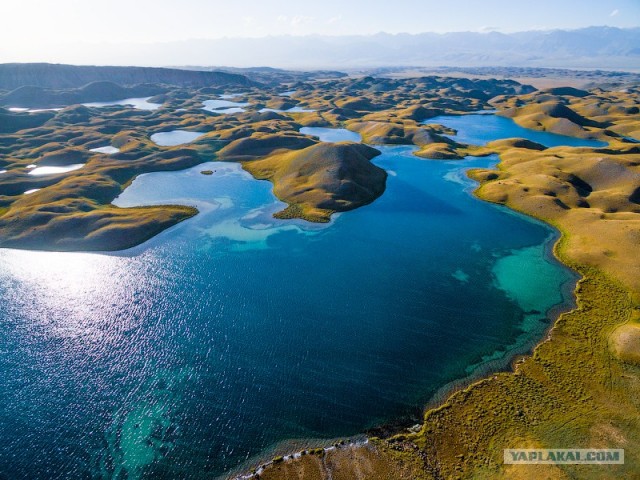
592	47
56	76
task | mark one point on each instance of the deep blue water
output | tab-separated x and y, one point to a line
478	129
233	331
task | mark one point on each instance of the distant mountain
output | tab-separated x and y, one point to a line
273	76
38	97
593	47
56	76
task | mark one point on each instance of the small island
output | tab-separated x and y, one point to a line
73	211
580	384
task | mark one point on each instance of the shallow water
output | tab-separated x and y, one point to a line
479	129
233	331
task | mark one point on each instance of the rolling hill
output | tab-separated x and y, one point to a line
58	76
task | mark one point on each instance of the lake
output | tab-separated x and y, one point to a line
224	106
479	129
53	170
232	332
141	103
107	150
289	110
332	135
175	137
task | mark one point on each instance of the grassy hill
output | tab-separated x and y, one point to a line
57	76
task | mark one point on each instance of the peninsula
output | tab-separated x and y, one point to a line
68	149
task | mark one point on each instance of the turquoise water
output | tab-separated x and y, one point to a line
233	331
478	129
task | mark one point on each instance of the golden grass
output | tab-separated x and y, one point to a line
625	342
581	387
321	179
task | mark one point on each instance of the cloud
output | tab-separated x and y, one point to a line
614	13
283	18
335	19
300	20
487	29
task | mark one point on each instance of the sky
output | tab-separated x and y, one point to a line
41	30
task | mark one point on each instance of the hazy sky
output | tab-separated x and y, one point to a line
33	30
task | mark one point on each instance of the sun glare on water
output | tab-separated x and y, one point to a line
82	289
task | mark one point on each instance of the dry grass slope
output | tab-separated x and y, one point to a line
321	179
581	387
